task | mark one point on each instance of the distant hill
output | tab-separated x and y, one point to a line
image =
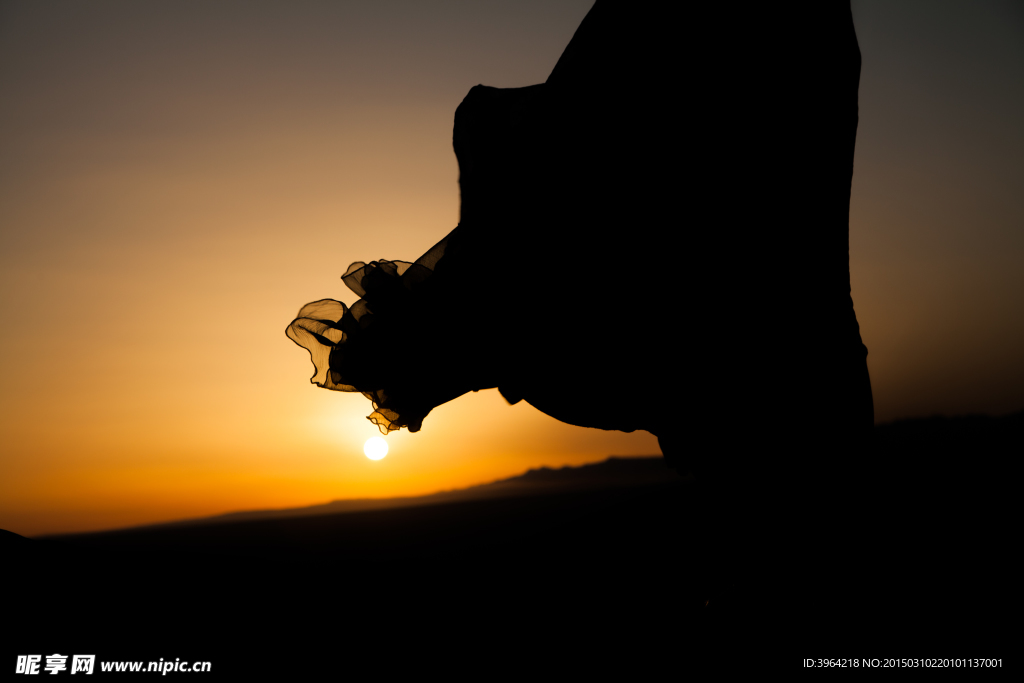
947	433
615	472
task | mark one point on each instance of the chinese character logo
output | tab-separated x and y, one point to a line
28	664
83	664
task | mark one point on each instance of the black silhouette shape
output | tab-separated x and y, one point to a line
655	238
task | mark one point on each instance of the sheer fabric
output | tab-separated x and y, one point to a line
337	336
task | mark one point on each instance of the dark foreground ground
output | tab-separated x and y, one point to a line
592	567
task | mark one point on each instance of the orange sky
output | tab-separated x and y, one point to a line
177	179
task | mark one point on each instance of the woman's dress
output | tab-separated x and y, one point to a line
655	238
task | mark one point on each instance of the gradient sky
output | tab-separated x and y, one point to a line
178	178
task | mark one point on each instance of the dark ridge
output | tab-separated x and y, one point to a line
975	450
12	541
615	472
945	432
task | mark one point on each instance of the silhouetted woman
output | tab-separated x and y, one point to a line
655	238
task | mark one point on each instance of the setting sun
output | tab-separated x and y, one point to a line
375	448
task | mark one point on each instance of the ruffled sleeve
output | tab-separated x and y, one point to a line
349	344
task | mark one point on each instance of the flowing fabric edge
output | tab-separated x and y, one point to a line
322	327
